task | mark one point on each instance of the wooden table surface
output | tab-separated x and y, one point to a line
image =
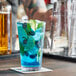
60	68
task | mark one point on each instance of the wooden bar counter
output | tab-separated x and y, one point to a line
60	68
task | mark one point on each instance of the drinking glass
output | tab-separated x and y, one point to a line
31	41
5	28
58	38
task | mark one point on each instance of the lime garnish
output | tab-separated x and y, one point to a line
33	24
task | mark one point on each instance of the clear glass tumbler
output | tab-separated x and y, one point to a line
59	31
31	41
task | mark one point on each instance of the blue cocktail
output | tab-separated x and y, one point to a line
31	40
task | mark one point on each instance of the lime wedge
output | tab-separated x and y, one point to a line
33	24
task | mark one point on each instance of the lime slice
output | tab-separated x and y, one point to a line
33	24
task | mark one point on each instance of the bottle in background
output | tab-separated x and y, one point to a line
5	28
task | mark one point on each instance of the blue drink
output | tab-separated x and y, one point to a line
31	39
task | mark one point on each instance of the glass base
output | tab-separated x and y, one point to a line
30	68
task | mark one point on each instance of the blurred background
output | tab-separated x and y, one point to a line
59	36
59	39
